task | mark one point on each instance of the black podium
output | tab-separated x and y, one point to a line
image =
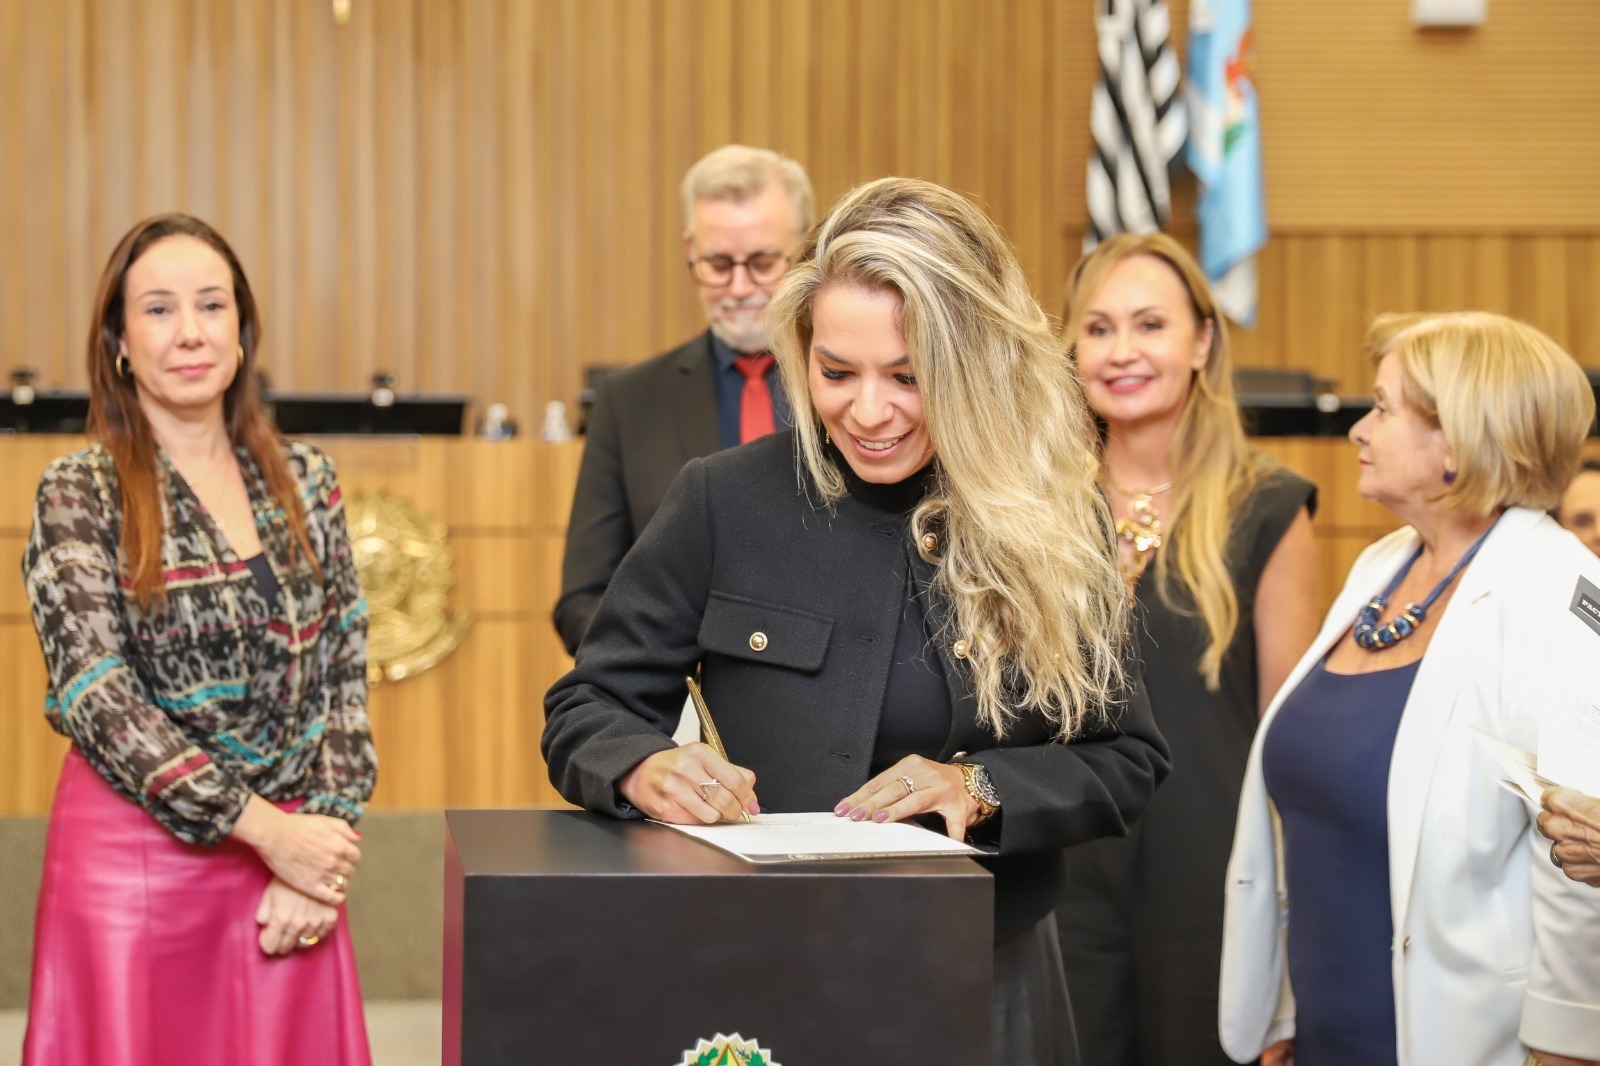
571	937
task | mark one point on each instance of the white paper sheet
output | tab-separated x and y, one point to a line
1569	719
1569	743
1522	779
823	837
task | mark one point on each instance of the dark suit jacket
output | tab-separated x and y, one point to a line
738	548
647	421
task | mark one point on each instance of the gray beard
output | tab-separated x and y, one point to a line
747	342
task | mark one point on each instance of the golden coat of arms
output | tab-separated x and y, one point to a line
405	568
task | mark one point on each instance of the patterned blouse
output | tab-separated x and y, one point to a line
187	709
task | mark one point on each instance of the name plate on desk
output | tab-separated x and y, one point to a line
571	935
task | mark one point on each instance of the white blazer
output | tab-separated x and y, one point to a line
1494	948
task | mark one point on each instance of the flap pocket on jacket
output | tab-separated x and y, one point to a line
764	632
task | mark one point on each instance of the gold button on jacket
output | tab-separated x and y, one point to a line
758	641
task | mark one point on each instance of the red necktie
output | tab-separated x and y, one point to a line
755	402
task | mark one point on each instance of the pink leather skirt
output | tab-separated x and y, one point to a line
145	951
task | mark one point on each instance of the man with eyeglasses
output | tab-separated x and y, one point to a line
745	210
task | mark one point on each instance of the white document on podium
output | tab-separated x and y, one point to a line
824	837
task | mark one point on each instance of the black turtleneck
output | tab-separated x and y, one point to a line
915	718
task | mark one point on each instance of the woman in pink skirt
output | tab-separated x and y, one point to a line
197	604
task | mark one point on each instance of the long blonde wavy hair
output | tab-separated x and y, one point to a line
1213	467
1029	567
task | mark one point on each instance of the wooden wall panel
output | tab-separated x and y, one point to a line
29	749
481	195
1370	123
1319	292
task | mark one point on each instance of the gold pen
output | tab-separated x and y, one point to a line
708	728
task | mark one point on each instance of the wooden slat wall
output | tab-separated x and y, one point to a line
1319	291
481	194
1372	124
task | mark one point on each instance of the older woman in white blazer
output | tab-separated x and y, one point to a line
1387	900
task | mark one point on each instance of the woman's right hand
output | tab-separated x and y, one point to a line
312	853
690	785
1279	1054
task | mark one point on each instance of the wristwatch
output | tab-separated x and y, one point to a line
981	789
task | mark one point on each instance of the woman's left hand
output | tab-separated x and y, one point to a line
286	915
935	787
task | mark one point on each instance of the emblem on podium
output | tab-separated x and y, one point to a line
405	567
723	1050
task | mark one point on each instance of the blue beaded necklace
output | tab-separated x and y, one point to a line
1374	637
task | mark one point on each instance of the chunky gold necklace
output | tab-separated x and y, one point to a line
1141	529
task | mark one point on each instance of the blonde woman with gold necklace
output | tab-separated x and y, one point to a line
1216	548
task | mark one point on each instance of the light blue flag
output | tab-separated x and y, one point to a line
1225	151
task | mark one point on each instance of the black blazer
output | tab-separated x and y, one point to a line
736	549
647	421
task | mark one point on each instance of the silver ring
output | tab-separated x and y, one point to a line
1554	858
911	786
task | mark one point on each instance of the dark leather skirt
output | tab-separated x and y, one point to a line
1032	1017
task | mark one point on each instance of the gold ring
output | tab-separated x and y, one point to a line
911	786
338	883
708	787
309	941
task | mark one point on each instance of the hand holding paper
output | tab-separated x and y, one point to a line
1572	820
1522	779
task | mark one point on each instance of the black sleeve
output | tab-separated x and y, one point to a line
1059	794
1277	498
621	701
600	531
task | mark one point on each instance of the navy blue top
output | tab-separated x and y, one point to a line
1326	763
730	390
